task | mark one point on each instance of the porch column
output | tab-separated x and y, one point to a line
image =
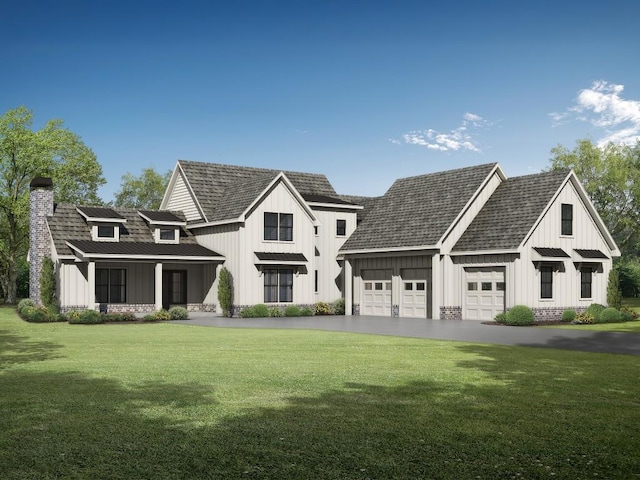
436	286
158	282
348	287
91	286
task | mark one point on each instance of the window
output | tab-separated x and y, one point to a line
341	228
487	286
315	230
586	280
500	286
278	286
106	231
315	288
278	226
408	286
472	286
167	234
546	282
567	219
420	286
111	285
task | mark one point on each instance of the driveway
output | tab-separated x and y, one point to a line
457	330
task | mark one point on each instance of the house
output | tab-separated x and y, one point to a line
465	243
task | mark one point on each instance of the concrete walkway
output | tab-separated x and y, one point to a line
458	330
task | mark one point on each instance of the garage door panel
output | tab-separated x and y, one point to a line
376	297
484	292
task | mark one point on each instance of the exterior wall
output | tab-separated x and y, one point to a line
566	282
473	210
72	286
40	206
181	199
330	272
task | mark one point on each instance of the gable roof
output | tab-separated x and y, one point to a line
511	212
417	211
224	192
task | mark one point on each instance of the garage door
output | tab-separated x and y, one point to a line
416	292
376	293
484	293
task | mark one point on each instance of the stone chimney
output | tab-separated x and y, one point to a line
40	207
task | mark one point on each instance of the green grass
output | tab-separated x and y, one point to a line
165	401
601	327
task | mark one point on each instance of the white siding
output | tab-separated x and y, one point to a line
72	284
181	199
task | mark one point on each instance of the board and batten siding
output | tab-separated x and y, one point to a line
471	213
72	284
330	273
182	200
566	284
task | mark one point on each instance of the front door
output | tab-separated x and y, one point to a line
174	288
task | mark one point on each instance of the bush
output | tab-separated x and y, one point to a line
225	292
48	282
628	314
162	315
25	302
178	313
275	312
501	318
247	312
35	315
614	294
584	319
338	307
292	311
520	315
306	312
73	315
610	315
261	310
87	317
595	309
150	317
322	308
568	316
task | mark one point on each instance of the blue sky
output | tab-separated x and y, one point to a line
364	92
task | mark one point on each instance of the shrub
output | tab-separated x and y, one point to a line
501	318
322	308
48	282
568	316
25	302
73	315
609	315
225	292
338	307
87	317
162	315
584	319
261	310
247	312
292	311
275	312
306	312
628	314
120	317
150	317
520	315
595	309
614	295
35	315
178	313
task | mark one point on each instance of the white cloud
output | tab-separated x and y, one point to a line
603	107
461	138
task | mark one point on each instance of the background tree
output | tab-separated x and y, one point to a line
52	151
614	295
143	192
611	176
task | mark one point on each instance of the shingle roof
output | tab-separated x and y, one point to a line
100	212
127	249
336	200
67	224
366	202
416	211
225	191
511	211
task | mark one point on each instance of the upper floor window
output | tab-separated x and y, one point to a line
546	281
278	226
341	228
106	231
567	219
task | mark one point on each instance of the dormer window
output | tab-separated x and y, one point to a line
105	223
167	234
165	225
106	231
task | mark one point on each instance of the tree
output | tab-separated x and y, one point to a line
143	192
48	283
611	177
52	151
614	296
225	291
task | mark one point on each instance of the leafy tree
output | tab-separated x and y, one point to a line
611	177
614	296
48	283
143	192
225	291
629	273
52	151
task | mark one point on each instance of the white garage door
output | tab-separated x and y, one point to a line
415	295
376	292
484	293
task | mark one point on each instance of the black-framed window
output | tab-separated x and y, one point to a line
106	231
167	234
586	281
567	219
341	228
278	285
111	285
546	281
315	282
278	226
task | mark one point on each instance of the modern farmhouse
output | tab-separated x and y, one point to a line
466	243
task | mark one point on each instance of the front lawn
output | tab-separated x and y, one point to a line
166	401
601	327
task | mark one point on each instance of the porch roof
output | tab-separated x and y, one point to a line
142	251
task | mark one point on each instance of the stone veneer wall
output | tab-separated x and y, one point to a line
543	314
202	307
40	206
131	307
356	310
451	313
395	311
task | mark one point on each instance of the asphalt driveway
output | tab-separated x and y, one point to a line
457	330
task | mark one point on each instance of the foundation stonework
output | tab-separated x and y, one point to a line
451	313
